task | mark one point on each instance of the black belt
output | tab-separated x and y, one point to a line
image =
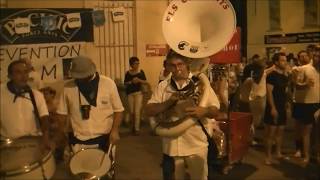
102	141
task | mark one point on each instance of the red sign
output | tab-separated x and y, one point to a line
231	53
156	50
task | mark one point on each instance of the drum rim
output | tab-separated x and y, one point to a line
84	149
28	167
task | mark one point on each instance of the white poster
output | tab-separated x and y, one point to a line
50	61
118	14
74	20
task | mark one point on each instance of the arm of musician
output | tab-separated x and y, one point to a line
114	134
154	109
202	112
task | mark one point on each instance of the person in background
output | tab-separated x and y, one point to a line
275	112
133	81
165	73
93	104
311	51
23	109
255	76
189	149
57	123
316	136
306	79
34	80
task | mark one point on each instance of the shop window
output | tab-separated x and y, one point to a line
274	15
311	13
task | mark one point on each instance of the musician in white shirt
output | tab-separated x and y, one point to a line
18	114
191	147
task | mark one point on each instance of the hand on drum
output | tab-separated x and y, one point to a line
196	112
114	136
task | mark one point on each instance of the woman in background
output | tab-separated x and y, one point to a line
133	81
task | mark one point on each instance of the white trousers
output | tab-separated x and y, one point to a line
135	105
195	165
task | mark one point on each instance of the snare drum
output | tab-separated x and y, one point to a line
23	158
91	163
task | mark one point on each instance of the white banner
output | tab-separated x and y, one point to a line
50	61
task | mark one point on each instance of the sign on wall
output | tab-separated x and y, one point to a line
32	26
231	53
47	59
48	37
290	38
156	50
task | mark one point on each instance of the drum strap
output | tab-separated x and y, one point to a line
35	109
204	129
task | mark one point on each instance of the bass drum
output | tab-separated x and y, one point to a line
24	158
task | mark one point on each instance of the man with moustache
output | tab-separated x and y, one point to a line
191	147
23	109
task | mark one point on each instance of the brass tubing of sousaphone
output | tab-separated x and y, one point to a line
176	128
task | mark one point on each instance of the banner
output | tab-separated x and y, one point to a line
33	26
231	53
50	61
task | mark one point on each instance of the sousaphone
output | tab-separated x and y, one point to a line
196	29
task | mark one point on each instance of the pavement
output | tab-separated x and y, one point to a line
139	158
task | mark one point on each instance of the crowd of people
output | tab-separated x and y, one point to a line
89	111
284	89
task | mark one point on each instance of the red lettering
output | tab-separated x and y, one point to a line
174	7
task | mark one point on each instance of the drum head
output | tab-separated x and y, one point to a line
21	153
88	161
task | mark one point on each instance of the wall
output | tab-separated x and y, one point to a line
149	15
292	21
149	31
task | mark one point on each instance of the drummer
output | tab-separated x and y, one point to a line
93	104
20	115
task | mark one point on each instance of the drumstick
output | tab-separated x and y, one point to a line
104	155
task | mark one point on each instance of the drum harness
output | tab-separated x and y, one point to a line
36	112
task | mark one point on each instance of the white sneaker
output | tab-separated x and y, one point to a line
254	143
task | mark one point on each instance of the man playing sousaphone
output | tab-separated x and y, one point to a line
190	147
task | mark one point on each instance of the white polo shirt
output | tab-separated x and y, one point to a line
18	118
101	117
311	94
193	140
